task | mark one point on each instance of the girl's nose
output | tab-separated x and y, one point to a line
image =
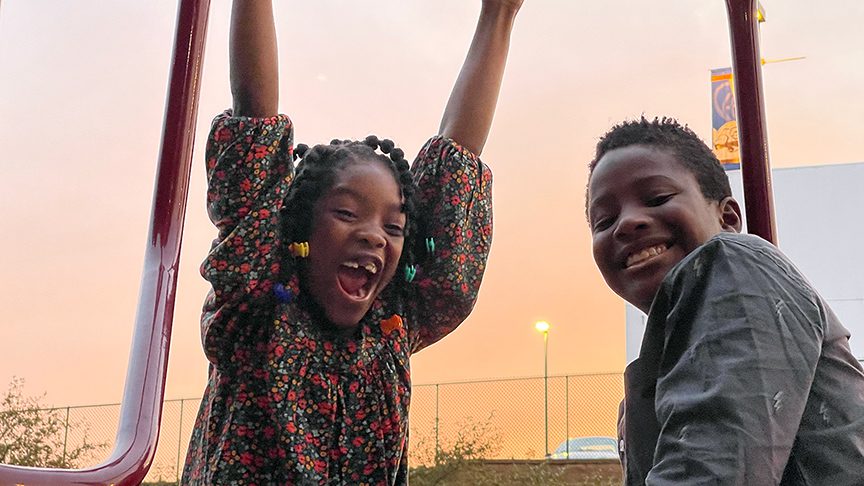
373	238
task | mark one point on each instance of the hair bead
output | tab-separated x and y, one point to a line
300	150
410	272
300	250
372	141
283	293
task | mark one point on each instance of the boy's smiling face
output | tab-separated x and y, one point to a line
647	212
357	237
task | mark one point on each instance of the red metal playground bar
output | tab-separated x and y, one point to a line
141	409
747	73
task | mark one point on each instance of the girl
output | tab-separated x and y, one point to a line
308	339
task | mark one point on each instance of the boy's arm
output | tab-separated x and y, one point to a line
468	115
253	59
743	337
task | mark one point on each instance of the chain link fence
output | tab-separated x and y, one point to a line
521	418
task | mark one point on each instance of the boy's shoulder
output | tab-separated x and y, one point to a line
748	260
731	263
732	252
730	246
737	242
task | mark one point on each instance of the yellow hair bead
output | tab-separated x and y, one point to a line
299	250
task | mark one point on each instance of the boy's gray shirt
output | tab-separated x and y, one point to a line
745	377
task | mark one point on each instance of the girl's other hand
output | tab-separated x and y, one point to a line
468	115
511	5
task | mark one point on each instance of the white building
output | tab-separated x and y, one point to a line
821	228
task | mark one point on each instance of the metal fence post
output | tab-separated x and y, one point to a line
65	435
179	441
437	447
567	413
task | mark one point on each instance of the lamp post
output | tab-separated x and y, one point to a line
543	326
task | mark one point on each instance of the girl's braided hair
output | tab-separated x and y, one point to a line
315	174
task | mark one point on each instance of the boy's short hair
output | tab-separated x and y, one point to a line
667	133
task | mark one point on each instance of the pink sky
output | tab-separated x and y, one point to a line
83	87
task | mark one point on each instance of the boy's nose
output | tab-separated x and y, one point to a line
631	223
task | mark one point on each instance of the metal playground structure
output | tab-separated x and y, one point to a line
141	409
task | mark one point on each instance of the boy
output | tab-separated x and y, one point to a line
745	375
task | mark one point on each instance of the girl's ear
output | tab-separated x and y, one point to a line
730	215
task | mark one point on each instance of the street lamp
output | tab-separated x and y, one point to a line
543	326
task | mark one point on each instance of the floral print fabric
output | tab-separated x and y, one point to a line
286	402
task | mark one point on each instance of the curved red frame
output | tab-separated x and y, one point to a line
141	410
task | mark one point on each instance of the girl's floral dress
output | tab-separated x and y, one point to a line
286	403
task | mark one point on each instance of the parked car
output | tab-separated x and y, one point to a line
586	449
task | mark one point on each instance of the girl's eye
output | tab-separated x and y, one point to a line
659	200
394	230
601	224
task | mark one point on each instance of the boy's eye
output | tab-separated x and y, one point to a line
345	213
659	200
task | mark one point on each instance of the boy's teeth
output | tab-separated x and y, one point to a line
371	268
645	254
351	265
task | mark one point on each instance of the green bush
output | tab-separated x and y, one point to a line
461	461
31	435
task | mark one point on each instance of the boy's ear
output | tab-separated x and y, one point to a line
730	215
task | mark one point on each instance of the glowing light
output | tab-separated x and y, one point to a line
542	326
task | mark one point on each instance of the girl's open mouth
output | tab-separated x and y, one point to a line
356	280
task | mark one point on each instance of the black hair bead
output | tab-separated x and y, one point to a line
372	141
300	150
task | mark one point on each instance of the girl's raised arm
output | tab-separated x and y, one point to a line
253	59
469	111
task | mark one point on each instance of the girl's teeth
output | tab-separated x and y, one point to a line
369	267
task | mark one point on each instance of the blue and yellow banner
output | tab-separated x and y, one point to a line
724	119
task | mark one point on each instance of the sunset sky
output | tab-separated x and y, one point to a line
82	92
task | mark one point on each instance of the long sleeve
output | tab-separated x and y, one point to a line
248	174
455	210
743	336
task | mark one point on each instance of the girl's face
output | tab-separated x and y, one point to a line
356	241
647	212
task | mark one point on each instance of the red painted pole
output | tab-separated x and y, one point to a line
141	410
752	135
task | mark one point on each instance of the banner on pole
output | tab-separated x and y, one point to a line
724	119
